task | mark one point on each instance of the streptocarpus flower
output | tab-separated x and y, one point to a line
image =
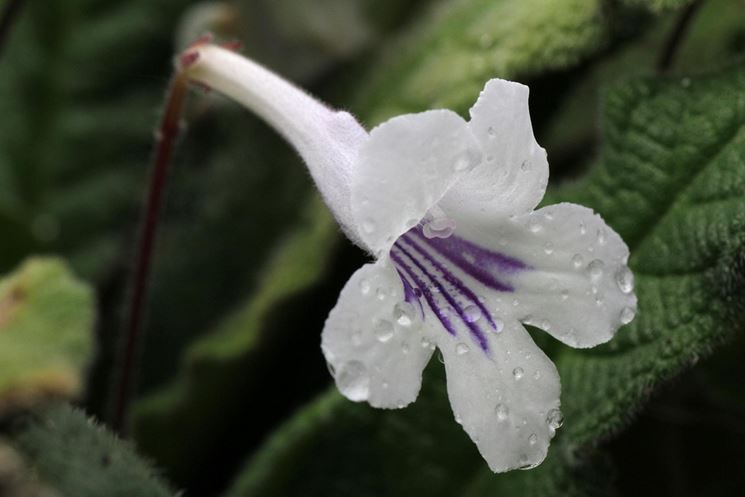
463	260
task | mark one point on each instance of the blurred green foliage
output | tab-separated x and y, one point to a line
249	261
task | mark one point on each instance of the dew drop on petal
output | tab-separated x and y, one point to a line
364	287
405	348
472	313
368	226
525	166
533	439
383	330
462	349
554	419
502	412
625	280
518	373
548	248
426	343
577	261
353	381
537	375
627	315
564	294
498	325
595	269
441	227
440	357
602	236
535	227
492	132
582	228
404	315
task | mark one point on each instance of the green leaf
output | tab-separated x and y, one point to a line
445	59
73	455
671	182
46	334
226	367
658	5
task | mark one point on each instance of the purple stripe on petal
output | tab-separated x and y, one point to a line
410	294
426	293
482	264
476	331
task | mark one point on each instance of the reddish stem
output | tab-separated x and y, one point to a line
166	138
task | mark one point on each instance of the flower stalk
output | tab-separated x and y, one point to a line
166	137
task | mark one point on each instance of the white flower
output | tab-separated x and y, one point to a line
462	258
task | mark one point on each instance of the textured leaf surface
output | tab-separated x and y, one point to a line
672	182
74	456
446	58
46	333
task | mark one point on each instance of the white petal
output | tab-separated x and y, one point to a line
326	139
407	165
504	398
375	341
578	286
513	176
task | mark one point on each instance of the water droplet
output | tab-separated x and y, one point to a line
405	348
533	439
462	349
498	325
595	269
577	261
554	419
353	381
564	294
381	293
582	228
368	226
364	286
491	132
458	419
426	343
440	357
627	315
384	330
404	314
535	227
537	375
599	299
602	236
518	373
502	412
472	313
548	248
625	280
525	166
545	325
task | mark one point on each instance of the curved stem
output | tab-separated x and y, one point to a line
166	138
667	56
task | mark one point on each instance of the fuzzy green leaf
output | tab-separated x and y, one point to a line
445	60
73	455
46	333
672	183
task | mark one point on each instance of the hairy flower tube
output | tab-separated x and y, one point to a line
463	259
